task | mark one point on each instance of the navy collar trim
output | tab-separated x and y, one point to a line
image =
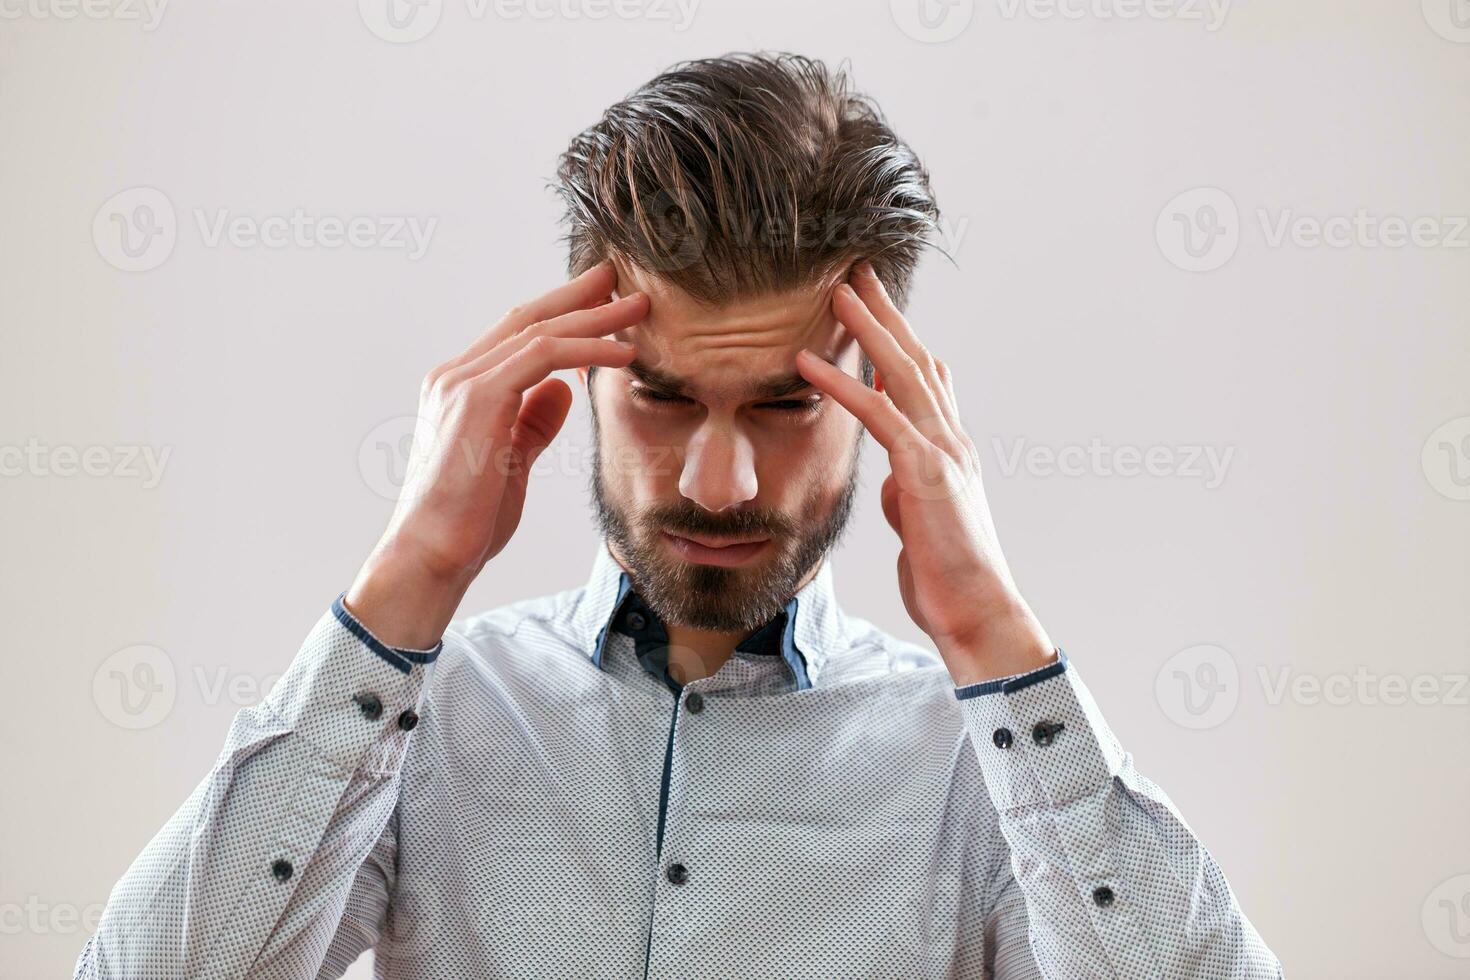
776	638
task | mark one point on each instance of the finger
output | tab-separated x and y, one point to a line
903	381
540	357
888	497
595	322
874	409
870	289
543	412
587	289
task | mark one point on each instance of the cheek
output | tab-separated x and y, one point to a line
797	460
639	450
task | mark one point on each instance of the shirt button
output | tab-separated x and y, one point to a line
369	705
1102	896
282	869
408	719
1046	732
694	702
636	620
677	874
1002	738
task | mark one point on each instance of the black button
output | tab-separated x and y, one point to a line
282	869
694	702
1002	738
1046	732
369	705
636	620
407	720
1102	896
677	874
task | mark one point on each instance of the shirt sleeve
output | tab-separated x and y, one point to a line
252	875
1111	880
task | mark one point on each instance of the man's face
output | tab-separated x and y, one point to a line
712	436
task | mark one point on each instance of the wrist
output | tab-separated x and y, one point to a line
1007	643
402	601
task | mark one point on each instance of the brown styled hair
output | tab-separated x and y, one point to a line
744	175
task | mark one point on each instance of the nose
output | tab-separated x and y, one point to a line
719	468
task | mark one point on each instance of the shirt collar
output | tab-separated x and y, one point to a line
805	632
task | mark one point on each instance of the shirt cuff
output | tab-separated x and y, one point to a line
402	658
1041	740
351	696
1005	685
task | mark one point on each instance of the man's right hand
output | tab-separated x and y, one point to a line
485	416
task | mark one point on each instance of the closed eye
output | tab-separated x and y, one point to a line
794	404
654	395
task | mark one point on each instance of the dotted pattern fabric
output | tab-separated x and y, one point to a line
871	825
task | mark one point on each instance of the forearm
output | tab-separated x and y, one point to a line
1114	881
277	830
402	599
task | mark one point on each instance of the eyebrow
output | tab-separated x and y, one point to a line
776	387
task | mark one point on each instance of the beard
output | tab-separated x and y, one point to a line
711	597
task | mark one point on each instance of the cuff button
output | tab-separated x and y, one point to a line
408	719
370	706
282	869
1102	896
1046	732
1002	738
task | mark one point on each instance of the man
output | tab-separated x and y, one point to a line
697	764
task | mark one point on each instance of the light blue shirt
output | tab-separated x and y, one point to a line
535	797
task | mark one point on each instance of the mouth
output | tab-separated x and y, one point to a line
726	552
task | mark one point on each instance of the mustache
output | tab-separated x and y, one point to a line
745	523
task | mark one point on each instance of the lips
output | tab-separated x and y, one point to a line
726	552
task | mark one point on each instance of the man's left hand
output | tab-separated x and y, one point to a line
951	572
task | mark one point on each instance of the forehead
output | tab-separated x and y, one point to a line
722	350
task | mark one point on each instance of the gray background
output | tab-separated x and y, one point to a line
1331	550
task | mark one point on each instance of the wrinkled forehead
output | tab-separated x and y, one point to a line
721	350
